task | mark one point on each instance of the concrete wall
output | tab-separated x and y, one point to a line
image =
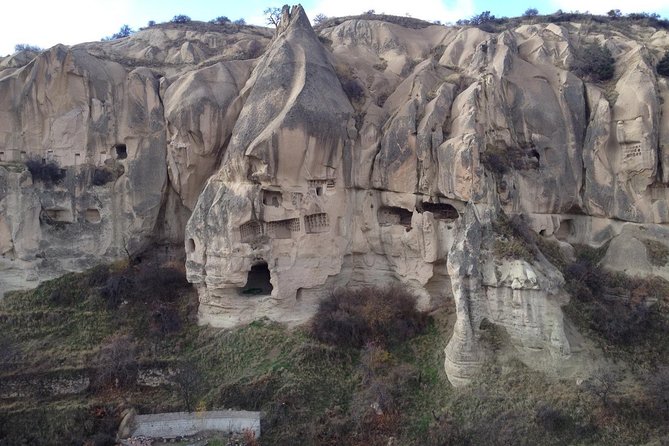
170	425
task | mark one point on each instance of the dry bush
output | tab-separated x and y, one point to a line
116	364
355	317
658	253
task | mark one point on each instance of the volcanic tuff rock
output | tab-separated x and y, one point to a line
360	154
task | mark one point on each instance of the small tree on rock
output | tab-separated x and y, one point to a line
273	16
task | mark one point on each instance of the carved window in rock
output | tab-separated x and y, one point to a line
317	186
390	215
121	151
2	156
283	228
441	211
316	223
58	215
272	198
250	231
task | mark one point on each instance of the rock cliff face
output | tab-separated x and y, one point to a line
360	154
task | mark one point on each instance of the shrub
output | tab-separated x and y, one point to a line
181	18
594	62
354	317
48	172
515	239
27	47
319	18
240	22
125	31
151	23
102	176
353	89
531	12
117	288
663	65
222	20
551	419
116	363
351	86
658	253
188	381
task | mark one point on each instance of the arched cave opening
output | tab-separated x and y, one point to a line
121	151
258	281
190	245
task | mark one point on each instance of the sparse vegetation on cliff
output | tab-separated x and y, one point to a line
663	65
594	62
46	171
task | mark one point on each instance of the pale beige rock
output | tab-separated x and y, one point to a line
291	189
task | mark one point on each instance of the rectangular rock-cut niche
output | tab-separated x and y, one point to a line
283	228
250	231
441	211
316	223
121	151
58	215
272	198
317	186
390	215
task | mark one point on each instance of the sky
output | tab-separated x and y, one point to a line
46	23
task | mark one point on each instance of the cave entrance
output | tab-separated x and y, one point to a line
121	151
258	281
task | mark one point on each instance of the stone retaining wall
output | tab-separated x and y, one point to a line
182	424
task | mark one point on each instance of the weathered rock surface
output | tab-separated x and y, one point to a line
362	154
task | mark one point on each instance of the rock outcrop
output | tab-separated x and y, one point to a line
364	153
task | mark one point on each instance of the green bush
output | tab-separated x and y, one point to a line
594	62
355	317
663	65
658	253
180	18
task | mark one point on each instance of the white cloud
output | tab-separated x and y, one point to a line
429	10
603	6
47	22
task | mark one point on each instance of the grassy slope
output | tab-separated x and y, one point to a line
309	392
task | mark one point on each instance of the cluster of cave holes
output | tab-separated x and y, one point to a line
250	231
284	229
316	223
319	185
